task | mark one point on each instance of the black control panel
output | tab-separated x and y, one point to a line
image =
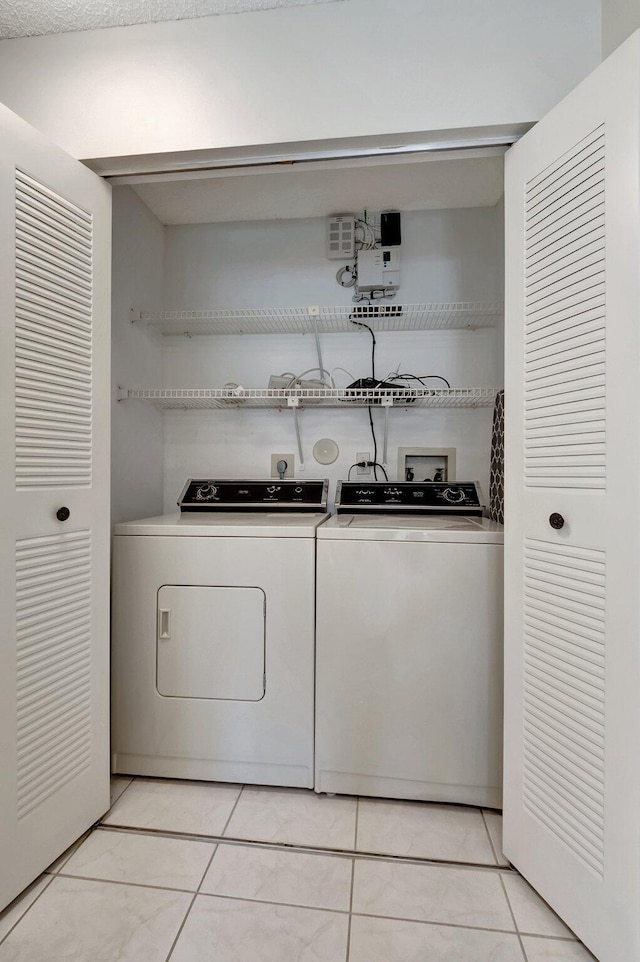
410	497
208	495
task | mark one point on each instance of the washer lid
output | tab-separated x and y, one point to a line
396	527
227	524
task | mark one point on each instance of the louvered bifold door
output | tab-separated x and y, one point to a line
54	486
572	591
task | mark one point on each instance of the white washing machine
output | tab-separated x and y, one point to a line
213	635
409	645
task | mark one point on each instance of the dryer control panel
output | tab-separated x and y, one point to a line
205	494
410	497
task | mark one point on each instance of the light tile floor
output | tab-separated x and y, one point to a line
195	872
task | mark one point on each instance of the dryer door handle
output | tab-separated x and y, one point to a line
164	623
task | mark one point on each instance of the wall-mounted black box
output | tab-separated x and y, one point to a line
390	233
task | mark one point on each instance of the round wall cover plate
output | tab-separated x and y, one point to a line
325	451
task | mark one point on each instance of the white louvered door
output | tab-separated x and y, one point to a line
55	218
572	593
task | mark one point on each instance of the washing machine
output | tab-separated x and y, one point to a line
213	635
409	643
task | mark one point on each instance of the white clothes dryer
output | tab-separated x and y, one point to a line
213	635
409	643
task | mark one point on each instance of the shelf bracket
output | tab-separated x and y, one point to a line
386	402
294	404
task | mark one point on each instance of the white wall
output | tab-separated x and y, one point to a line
239	443
619	20
136	430
335	70
447	255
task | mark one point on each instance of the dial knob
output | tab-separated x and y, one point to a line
453	495
206	491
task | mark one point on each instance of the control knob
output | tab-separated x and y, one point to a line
453	495
206	491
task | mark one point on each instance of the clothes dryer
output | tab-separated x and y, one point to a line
409	645
213	635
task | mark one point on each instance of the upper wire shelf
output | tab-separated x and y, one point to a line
327	320
211	398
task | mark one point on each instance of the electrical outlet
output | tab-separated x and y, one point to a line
291	465
363	456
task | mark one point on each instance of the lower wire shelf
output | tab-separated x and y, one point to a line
234	398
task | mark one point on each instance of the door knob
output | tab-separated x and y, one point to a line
63	514
556	520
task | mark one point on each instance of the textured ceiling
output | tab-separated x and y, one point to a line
33	18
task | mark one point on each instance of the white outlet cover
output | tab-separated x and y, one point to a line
325	451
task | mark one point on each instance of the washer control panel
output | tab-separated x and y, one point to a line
425	497
205	494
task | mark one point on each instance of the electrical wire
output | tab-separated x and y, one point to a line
344	371
373	375
375	445
391	378
298	377
373	343
369	464
353	274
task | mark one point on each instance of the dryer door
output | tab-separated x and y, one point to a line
211	642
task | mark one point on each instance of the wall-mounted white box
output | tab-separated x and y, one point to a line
426	464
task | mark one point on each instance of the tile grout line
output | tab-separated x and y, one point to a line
71	851
182	925
571	937
28	909
353	872
313	850
432	922
135	885
454	925
493	848
125	789
311	908
52	875
235	805
196	893
513	916
192	902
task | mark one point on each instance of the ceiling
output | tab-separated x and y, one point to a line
34	18
317	190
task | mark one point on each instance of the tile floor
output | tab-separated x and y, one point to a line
196	872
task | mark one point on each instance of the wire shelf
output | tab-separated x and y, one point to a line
328	320
223	398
